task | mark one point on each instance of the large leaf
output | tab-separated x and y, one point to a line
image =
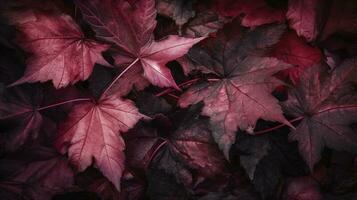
60	52
92	132
19	117
327	102
41	175
130	27
241	93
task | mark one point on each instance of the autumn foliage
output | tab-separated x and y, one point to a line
178	99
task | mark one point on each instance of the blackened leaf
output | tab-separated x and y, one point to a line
327	102
19	118
47	174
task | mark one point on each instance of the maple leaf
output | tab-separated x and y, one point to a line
242	92
45	175
295	51
256	13
19	117
130	27
60	51
191	146
327	103
306	17
92	131
22	108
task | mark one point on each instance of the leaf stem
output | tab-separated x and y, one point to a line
168	90
120	75
213	79
277	127
173	96
64	102
45	107
156	150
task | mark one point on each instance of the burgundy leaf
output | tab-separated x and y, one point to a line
19	116
48	174
93	132
242	93
327	102
60	51
294	50
130	27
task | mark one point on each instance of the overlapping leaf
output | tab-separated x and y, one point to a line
327	102
130	27
189	147
60	52
92	132
241	93
18	116
43	175
294	50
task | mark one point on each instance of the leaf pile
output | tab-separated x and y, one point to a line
178	99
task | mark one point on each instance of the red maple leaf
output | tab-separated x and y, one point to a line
92	132
41	175
241	94
130	27
294	50
60	52
327	103
19	116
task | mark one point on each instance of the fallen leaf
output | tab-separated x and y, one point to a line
92	131
327	103
130	27
242	92
60	52
295	51
19	117
45	175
